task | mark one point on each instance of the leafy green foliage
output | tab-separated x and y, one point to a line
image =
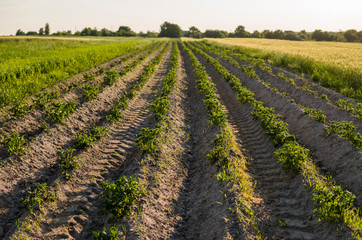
58	111
103	235
275	127
114	115
160	107
38	197
356	109
120	197
306	87
315	114
147	139
88	77
333	203
111	77
90	91
84	141
347	130
14	143
44	97
20	109
289	80
68	163
291	155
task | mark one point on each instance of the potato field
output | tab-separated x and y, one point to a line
169	139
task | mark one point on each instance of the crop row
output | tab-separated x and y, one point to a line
118	195
225	153
354	108
333	203
344	129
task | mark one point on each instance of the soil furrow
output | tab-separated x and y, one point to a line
201	205
283	193
331	153
165	172
77	212
39	164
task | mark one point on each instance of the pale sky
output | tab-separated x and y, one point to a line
143	15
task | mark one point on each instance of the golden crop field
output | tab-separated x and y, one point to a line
338	54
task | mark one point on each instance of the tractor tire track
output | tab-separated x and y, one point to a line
39	164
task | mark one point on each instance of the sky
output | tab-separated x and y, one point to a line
143	15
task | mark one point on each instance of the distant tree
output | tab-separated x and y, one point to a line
359	34
255	34
303	35
351	35
241	32
151	34
215	34
105	32
41	31
278	34
19	33
267	34
95	32
170	30
86	31
47	29
77	33
31	33
319	35
291	36
194	32
125	31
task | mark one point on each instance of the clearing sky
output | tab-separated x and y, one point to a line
143	15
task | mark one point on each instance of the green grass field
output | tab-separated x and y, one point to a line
30	64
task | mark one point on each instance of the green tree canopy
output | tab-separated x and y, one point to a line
194	32
170	30
47	29
241	32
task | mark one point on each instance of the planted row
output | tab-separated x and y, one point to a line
355	108
333	203
225	153
346	130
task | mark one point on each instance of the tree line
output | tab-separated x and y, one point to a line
172	30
